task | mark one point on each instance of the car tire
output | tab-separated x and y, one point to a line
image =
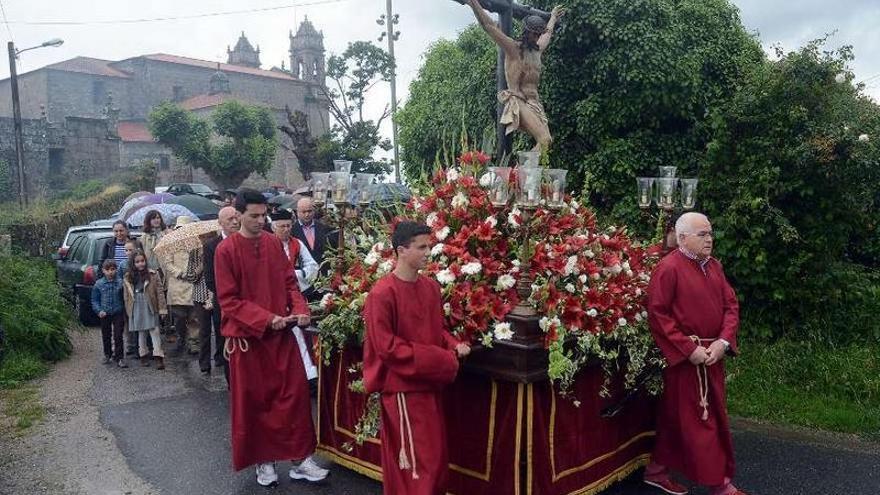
84	312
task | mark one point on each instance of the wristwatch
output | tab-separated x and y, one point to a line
726	344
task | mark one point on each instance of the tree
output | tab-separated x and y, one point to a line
235	142
360	67
304	145
454	91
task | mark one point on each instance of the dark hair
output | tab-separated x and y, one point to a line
247	197
137	244
148	221
108	264
406	231
132	274
121	222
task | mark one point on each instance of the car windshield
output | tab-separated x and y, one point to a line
201	189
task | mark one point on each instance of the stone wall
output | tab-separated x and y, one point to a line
84	95
36	153
90	151
32	93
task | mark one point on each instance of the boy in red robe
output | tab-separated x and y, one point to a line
409	357
269	400
694	316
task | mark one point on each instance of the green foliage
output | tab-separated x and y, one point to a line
19	367
237	141
23	405
809	383
454	91
142	176
353	73
790	186
32	311
7	187
81	191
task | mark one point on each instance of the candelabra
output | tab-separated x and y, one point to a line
668	193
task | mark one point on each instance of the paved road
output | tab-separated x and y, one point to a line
173	429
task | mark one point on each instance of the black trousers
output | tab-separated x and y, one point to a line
219	342
113	325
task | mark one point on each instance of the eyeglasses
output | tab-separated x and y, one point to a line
703	234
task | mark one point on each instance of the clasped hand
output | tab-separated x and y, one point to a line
281	322
708	355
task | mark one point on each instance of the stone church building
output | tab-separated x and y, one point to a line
86	118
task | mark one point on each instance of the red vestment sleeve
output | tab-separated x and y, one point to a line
675	345
449	341
295	300
402	357
730	321
251	319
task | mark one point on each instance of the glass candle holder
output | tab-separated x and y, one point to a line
362	184
320	182
339	185
646	188
499	188
666	192
529	182
689	193
554	186
668	172
529	159
342	166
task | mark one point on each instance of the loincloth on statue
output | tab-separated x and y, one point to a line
513	106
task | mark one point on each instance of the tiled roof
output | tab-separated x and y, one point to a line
134	132
175	59
206	101
87	65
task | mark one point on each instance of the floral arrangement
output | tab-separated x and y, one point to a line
588	283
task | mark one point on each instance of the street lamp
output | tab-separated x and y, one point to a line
16	112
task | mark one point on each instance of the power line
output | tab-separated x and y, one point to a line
6	21
173	18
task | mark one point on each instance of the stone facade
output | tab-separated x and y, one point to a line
83	97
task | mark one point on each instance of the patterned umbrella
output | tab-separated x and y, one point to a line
282	199
169	212
138	194
185	238
157	198
203	207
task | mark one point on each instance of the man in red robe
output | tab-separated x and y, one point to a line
259	298
409	357
694	315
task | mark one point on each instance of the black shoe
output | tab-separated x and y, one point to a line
132	351
121	363
107	360
206	372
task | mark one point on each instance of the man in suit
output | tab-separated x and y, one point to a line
314	235
229	224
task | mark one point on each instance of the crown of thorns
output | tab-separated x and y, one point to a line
534	24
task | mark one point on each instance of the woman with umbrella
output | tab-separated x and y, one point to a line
154	229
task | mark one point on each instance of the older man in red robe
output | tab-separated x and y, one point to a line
694	315
409	357
269	400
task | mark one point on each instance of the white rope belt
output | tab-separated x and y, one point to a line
233	343
405	434
703	379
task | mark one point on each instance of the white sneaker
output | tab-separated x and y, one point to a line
308	470
266	475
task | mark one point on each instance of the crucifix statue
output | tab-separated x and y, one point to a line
519	67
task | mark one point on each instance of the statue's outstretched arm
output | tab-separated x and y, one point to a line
505	42
544	40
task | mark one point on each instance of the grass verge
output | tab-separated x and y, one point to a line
808	383
20	401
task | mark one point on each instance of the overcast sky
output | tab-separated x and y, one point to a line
96	30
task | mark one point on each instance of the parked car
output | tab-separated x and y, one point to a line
182	188
75	232
78	270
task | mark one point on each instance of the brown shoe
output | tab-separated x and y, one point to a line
171	338
145	361
160	363
668	486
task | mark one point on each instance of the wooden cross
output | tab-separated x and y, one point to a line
507	10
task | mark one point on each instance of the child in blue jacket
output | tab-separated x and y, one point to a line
108	304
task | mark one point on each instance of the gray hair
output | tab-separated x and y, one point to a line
684	224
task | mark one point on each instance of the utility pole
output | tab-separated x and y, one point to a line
389	20
16	117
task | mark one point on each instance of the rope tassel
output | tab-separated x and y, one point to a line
703	381
405	435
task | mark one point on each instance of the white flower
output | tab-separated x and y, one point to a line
503	331
452	175
460	200
515	268
437	250
343	288
431	219
638	292
595	276
511	217
589	253
326	301
486	339
354	304
582	278
547	323
570	288
372	258
625	265
840	78
443	233
486	179
622	322
447	309
571	266
491	220
592	313
471	268
629	273
864	138
445	277
416	204
386	266
505	282
638	317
